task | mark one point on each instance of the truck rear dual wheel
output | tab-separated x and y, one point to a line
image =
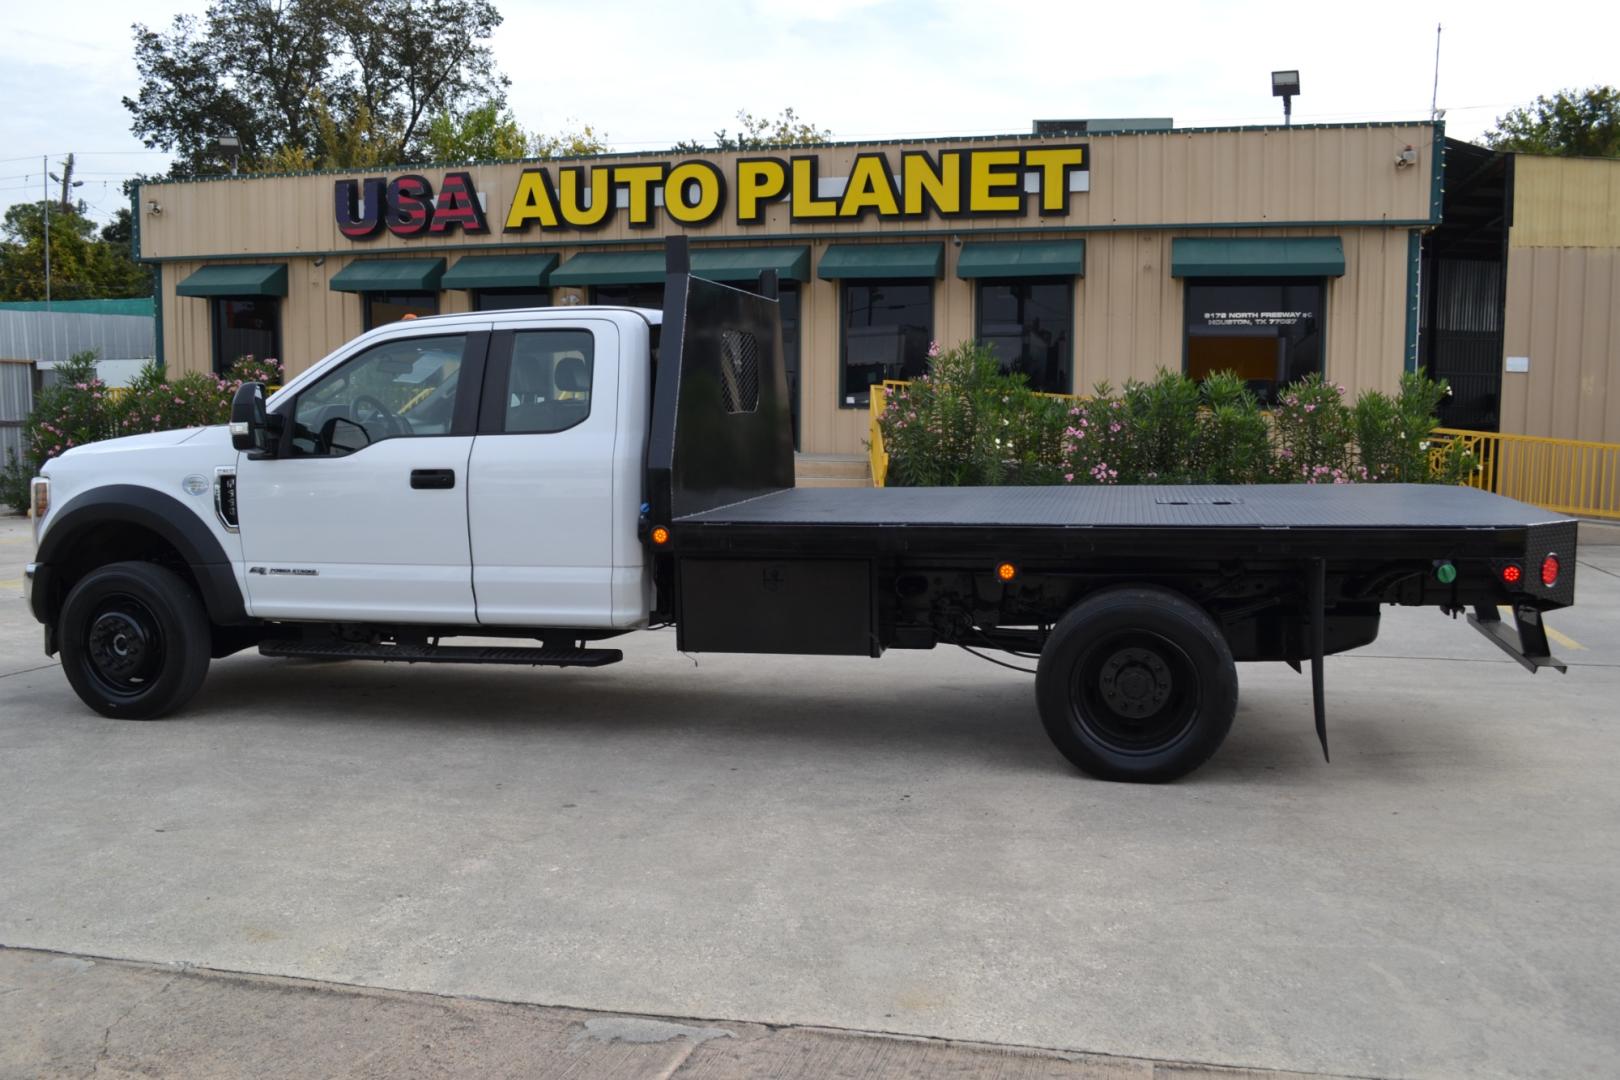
135	640
1137	684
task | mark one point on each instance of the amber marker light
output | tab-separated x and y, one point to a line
1006	571
660	535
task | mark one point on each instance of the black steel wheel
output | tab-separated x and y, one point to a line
1137	684
135	640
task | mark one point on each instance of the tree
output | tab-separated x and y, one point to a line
83	265
581	141
1571	123
485	132
489	132
309	80
758	132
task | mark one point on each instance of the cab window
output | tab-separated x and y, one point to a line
398	389
549	385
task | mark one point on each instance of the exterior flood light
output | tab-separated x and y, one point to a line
1285	84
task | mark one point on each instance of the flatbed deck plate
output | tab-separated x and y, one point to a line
1372	507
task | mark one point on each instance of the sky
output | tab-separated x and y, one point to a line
648	74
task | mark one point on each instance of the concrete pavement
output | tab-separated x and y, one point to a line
888	846
77	1016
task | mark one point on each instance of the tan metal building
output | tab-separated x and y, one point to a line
1082	258
1562	329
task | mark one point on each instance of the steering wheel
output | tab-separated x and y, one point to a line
366	410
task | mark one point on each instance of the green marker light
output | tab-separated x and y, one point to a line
1445	573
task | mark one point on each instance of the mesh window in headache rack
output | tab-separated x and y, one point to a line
739	371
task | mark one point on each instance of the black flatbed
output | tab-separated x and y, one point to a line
1392	520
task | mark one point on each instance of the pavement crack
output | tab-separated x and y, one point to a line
106	1036
1595	566
26	670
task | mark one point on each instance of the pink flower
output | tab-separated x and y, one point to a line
933	348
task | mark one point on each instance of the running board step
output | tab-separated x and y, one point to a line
440	654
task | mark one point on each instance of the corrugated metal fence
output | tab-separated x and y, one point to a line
16	401
55	335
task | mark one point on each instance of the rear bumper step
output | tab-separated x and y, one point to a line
1526	642
441	654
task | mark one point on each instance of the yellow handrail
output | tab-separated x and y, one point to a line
1570	476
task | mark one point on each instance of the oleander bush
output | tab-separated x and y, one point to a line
966	422
79	408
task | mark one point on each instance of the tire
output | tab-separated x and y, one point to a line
135	640
1137	684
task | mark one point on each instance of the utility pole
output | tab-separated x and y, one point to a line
45	190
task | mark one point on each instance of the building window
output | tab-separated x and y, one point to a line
647	295
384	308
1029	322
506	299
1269	332
245	326
887	326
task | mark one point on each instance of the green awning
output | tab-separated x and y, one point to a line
1257	256
745	264
863	262
1030	258
716	264
611	268
268	279
500	272
389	275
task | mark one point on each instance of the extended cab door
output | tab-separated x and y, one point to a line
546	478
362	515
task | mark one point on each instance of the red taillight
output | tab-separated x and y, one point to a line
1511	574
1549	571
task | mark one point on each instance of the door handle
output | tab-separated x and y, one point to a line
433	479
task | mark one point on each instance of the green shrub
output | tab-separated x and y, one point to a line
1393	434
1234	438
14	477
1161	421
1315	434
1097	441
967	423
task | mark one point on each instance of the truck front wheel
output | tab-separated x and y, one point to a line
1137	684
135	640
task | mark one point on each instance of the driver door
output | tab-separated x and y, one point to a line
362	513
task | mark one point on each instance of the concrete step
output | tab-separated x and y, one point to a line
854	469
831	482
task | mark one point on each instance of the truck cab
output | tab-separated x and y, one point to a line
468	470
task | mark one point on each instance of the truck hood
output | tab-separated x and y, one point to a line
143	442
